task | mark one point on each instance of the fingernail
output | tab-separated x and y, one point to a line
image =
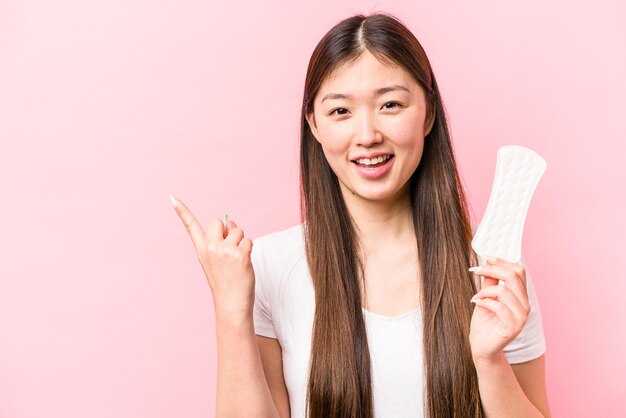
475	299
475	269
173	200
492	260
226	220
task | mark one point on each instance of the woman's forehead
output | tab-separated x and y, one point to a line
366	75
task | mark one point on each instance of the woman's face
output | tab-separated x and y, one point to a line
368	109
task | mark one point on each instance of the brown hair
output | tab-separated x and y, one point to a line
340	379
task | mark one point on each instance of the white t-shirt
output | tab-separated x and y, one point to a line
284	308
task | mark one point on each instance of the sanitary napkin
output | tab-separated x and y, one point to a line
518	171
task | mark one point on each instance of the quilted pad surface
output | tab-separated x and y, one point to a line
518	171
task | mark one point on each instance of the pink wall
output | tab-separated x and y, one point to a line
108	106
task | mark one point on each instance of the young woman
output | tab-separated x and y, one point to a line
364	309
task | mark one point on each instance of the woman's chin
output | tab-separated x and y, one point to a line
379	196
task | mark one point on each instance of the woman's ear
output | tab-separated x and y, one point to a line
429	122
310	118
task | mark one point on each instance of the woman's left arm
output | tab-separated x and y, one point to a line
511	390
531	376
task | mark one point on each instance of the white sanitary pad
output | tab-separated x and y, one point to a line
518	171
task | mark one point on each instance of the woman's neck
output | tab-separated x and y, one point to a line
381	225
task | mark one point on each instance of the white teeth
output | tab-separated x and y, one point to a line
372	161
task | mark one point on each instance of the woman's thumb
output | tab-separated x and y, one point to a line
229	224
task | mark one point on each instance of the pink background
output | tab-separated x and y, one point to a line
106	107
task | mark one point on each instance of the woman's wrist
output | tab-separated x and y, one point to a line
485	363
233	317
500	392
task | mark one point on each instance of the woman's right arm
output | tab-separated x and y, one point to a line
242	389
272	359
224	253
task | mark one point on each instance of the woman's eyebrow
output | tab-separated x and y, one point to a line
332	96
378	92
384	90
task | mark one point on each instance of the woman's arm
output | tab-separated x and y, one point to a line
225	256
531	377
272	360
512	390
242	390
501	313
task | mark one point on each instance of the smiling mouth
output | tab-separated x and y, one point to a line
373	162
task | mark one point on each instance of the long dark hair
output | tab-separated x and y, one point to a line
340	379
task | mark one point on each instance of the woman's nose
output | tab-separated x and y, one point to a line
368	133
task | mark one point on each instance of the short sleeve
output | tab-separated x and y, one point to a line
261	313
530	343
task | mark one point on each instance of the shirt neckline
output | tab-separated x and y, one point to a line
401	317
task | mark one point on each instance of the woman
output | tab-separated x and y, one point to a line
364	309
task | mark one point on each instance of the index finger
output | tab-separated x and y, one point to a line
516	267
193	226
484	280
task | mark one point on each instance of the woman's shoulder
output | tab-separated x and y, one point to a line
281	245
290	236
275	255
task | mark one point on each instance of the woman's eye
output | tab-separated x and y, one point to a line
391	105
340	111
